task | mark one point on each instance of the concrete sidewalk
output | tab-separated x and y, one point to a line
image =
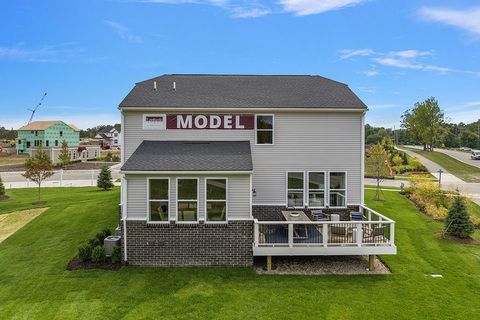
52	184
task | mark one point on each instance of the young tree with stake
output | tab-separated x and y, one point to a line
38	168
64	154
378	158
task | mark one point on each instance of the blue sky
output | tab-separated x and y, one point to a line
88	54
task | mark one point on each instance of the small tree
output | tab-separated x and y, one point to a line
458	222
64	155
38	168
380	169
397	160
104	180
2	190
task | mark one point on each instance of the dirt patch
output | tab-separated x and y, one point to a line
447	236
77	264
321	265
12	222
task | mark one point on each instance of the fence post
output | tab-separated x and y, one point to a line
290	235
359	234
61	177
92	177
256	232
392	233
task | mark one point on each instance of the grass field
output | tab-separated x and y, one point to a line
460	169
6	160
34	283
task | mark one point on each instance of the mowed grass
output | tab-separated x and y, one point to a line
35	285
460	169
6	160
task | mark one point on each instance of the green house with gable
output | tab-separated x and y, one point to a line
49	134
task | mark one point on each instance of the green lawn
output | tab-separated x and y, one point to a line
460	169
34	283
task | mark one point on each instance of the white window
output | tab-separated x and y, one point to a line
295	188
316	189
187	199
337	190
216	199
158	196
264	129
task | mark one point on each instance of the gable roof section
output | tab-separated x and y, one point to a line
44	125
191	156
242	91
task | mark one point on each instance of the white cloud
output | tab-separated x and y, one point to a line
123	31
249	12
53	53
468	19
348	53
410	54
308	7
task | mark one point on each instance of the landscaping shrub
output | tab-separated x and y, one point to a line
458	222
108	157
85	252
98	254
102	235
95	242
397	160
104	180
2	189
116	254
116	158
428	197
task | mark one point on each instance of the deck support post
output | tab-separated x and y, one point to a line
269	263
371	262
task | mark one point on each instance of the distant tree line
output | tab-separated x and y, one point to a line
7	134
425	124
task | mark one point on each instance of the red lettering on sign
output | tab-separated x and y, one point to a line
211	121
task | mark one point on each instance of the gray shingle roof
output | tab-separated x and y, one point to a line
242	91
191	156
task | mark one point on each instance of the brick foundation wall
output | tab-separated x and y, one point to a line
190	245
274	213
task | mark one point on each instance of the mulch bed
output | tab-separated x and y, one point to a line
320	265
447	236
77	264
4	197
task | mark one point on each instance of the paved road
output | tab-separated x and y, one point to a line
459	155
449	181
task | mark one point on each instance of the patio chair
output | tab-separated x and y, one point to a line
356	216
318	215
375	234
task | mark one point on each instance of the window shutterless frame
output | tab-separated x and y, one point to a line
272	130
294	189
187	200
158	200
324	190
334	190
215	200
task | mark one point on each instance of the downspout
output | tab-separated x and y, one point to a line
124	218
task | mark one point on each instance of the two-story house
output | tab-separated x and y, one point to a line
109	136
217	169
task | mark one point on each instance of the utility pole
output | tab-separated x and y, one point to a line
440	171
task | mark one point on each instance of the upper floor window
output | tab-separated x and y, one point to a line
216	200
316	189
264	129
295	188
187	199
337	189
158	203
61	133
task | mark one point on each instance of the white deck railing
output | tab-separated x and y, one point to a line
375	235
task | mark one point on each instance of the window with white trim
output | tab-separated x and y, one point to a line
158	195
295	188
264	129
216	200
337	189
316	189
187	199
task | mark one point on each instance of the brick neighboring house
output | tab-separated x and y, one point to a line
109	136
50	135
217	169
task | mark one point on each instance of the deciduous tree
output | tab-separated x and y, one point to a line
64	154
378	158
38	168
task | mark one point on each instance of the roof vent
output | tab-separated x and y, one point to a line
155	85
174	86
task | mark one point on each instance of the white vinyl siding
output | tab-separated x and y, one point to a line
238	194
304	141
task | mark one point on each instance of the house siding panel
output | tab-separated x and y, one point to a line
323	141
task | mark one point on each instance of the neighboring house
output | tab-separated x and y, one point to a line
47	134
109	136
214	165
51	135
